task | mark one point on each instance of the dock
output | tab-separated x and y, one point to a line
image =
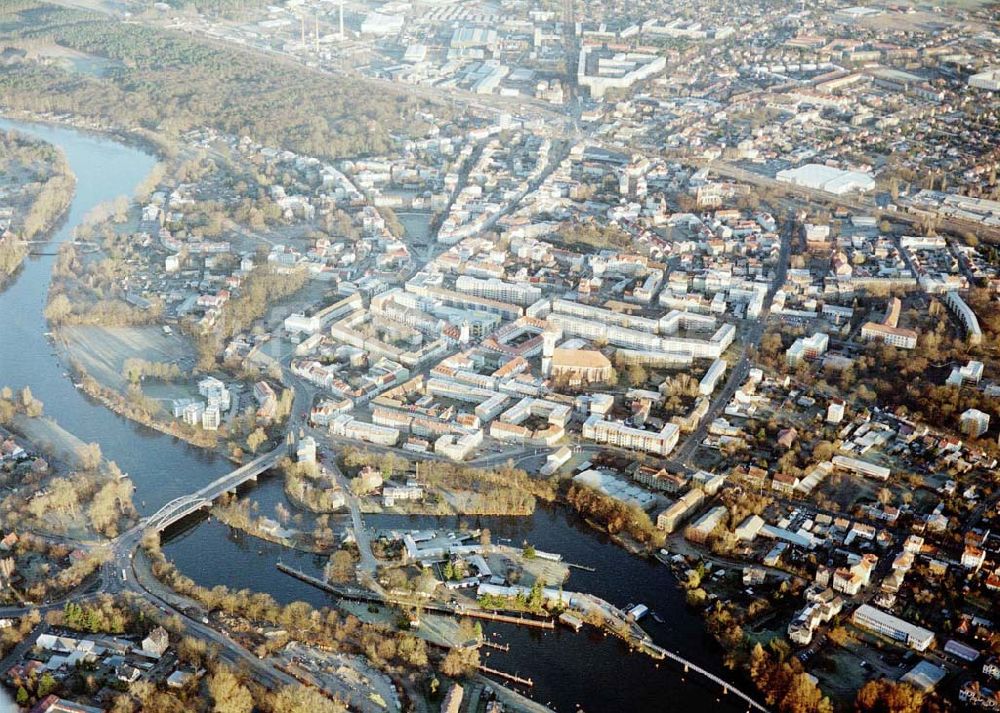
507	676
573	622
366	595
493	645
496	616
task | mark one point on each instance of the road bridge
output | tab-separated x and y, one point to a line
181	507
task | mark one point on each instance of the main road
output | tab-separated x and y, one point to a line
682	456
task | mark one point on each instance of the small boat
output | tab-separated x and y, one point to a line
657	618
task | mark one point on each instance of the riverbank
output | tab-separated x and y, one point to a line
118	404
445	506
39	215
132	137
234	517
59	446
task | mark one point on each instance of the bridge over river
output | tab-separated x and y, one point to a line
181	507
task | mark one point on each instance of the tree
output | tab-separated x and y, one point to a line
460	662
229	695
823	450
804	697
839	635
46	685
302	699
341	566
89	455
637	375
885	696
255	439
58	309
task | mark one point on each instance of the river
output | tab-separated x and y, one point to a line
571	671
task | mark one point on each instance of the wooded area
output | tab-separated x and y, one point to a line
172	83
42	191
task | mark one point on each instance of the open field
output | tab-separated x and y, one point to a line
49	437
102	351
72	59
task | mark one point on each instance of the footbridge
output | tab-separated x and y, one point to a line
727	688
185	505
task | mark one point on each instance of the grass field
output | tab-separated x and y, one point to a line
102	351
49	437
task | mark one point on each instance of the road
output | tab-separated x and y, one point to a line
143	583
367	565
18	653
681	458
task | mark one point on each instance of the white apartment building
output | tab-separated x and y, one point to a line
971	373
916	637
968	318
809	348
496	289
893	336
712	376
296	323
211	418
974	422
618	434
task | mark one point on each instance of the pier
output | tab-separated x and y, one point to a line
726	687
366	595
507	676
638	639
493	645
626	630
658	652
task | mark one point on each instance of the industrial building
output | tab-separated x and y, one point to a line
826	178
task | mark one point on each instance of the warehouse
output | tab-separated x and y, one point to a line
826	178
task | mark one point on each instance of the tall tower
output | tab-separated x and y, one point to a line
549	338
341	6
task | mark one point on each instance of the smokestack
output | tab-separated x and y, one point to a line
341	20
302	29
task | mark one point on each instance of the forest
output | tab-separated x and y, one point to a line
36	179
172	83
